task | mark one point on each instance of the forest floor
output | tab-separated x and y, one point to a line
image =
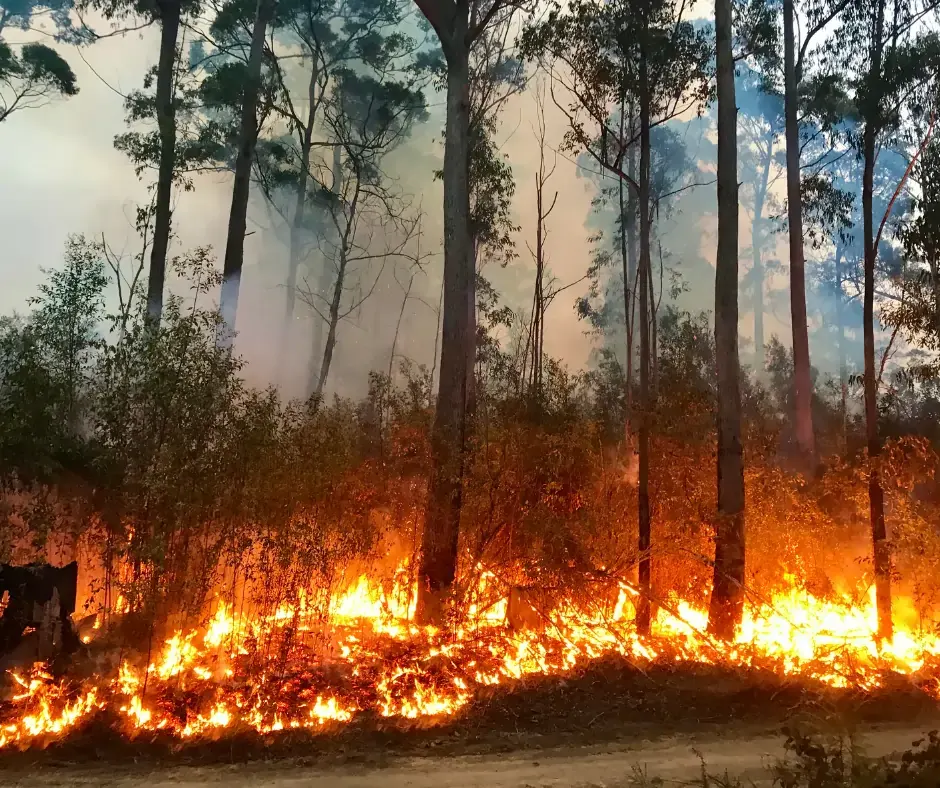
592	729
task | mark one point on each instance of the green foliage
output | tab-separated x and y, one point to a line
46	362
32	78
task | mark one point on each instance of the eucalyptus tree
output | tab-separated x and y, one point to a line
163	105
371	221
229	25
760	120
332	36
459	25
919	313
890	61
797	50
651	55
33	74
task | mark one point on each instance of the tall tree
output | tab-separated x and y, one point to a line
245	153
893	65
803	412
458	25
169	14
333	36
727	601
369	116
819	17
759	121
612	56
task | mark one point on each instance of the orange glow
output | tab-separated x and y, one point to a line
397	669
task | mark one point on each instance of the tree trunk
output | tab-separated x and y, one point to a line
802	379
727	602
643	501
438	565
166	123
331	331
630	278
247	138
472	331
757	249
935	279
348	214
297	222
880	547
324	285
840	338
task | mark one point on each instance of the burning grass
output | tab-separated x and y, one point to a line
292	670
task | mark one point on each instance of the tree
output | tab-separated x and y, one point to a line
819	17
333	35
369	117
496	73
32	78
617	55
246	142
918	312
163	106
727	601
169	13
458	25
891	68
761	116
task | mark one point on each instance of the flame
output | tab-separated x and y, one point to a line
399	670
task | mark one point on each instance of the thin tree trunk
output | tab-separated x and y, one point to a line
437	343
472	332
325	282
651	311
880	547
438	564
401	314
935	278
404	303
757	249
643	501
331	331
727	601
349	217
247	139
297	222
840	337
630	229
170	13
802	378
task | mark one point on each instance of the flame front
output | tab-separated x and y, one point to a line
214	679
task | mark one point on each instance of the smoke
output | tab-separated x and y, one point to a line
62	175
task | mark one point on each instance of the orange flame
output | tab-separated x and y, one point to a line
398	669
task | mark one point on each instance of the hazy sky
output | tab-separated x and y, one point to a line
62	175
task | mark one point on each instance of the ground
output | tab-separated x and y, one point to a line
593	729
675	759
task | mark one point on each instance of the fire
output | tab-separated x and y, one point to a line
211	679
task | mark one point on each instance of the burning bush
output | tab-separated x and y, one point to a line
246	562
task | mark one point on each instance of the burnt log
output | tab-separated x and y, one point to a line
39	598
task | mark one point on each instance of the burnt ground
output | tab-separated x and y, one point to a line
610	705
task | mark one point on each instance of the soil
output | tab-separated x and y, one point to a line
592	729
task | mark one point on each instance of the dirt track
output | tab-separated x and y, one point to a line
674	759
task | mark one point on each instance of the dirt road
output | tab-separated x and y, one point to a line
673	759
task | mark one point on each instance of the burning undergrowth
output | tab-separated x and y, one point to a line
235	577
239	672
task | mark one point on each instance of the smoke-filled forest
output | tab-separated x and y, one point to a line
449	368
